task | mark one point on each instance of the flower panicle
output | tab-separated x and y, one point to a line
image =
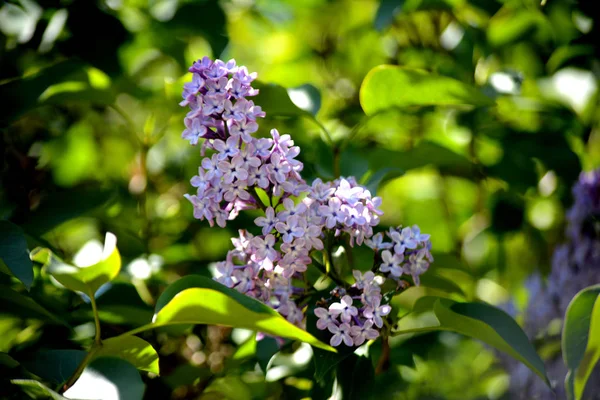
297	218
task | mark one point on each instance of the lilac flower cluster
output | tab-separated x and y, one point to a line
408	253
297	217
575	266
355	325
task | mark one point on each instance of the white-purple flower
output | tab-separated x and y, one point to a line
344	309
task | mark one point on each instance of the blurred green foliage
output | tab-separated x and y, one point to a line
90	142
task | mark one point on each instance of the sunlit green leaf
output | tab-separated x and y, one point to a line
275	101
108	378
388	86
88	279
580	349
132	349
480	321
307	97
37	390
200	300
13	251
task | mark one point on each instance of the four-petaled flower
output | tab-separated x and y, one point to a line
341	333
344	309
391	263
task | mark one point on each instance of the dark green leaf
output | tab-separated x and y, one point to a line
63	206
354	377
55	366
324	361
108	378
265	350
22	305
25	92
480	321
426	153
13	251
386	12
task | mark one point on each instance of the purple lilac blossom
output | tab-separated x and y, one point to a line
575	266
298	217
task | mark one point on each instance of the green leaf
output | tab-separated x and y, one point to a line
108	377
307	97
265	350
386	12
382	176
31	87
354	377
435	281
23	306
87	279
425	153
60	207
8	361
580	349
275	101
592	353
510	27
37	389
55	366
132	349
480	321
200	300
388	86
13	251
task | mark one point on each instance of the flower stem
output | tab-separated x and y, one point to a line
97	339
383	363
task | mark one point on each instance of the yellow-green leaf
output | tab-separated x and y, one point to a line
387	86
132	349
200	300
86	279
581	339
